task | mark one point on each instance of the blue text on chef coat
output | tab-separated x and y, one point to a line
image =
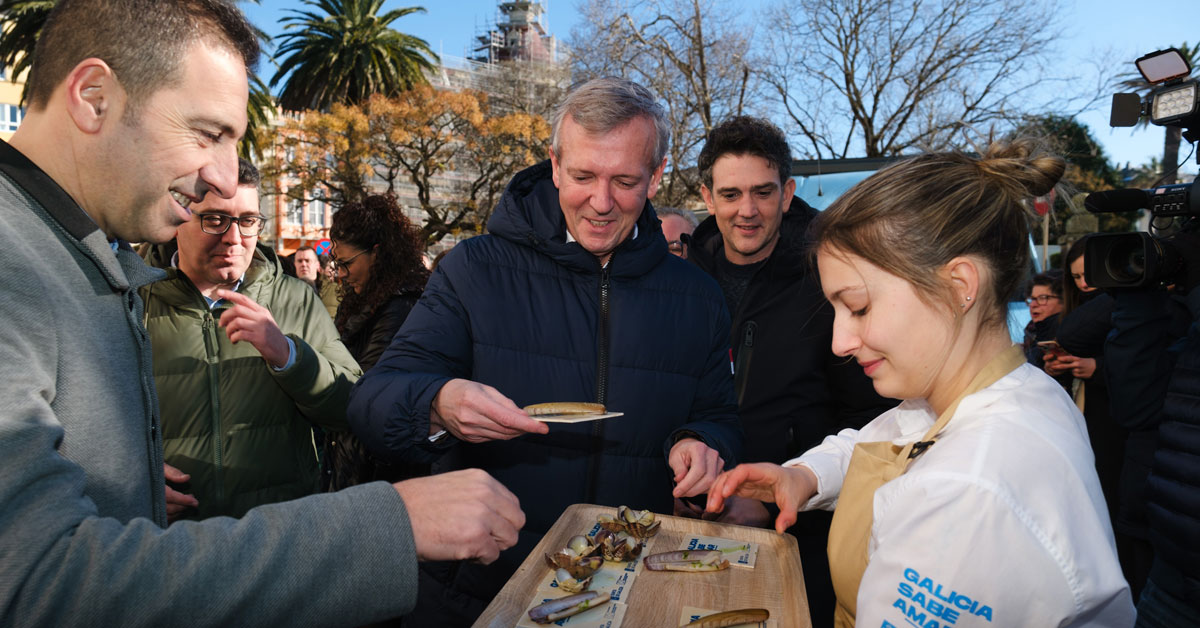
925	602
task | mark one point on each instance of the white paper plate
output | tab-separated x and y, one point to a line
574	418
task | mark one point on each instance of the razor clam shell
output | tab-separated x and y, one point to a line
555	610
564	407
731	618
686	560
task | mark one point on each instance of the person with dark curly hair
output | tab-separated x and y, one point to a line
377	258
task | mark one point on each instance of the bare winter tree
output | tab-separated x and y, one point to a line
877	78
692	53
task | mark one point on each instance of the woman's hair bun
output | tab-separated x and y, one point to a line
1021	163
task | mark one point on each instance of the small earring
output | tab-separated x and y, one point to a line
968	299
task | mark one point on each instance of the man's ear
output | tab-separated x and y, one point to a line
706	194
656	179
93	95
554	168
789	190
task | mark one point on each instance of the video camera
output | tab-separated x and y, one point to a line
1143	260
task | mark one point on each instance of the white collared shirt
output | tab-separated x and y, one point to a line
1000	523
571	238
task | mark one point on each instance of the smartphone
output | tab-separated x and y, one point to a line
1051	348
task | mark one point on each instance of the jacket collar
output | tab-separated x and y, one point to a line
46	191
120	266
263	270
528	214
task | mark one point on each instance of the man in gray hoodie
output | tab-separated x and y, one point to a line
135	109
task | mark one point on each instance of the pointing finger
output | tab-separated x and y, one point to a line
237	298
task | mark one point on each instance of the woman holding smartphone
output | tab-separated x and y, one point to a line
975	501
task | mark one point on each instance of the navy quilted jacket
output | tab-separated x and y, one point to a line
537	318
1154	382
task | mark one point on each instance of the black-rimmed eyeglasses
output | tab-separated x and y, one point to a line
218	224
339	265
1040	299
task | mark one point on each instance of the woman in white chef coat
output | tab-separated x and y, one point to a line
974	502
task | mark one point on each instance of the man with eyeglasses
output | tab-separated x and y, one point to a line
246	360
135	112
677	225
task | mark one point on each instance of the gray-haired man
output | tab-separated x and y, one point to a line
562	301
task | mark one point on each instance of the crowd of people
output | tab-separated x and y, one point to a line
205	432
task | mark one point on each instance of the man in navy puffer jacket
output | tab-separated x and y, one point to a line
565	300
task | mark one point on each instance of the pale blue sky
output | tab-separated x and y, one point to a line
1091	30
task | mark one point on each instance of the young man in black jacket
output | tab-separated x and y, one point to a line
792	390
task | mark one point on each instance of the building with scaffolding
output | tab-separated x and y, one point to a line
518	34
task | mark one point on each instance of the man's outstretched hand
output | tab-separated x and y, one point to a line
461	515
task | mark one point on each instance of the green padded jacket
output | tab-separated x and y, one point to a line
242	430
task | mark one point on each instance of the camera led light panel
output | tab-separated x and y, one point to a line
1173	103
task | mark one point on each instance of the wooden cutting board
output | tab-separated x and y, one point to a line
657	599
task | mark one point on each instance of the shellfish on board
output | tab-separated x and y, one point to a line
618	546
575	564
731	618
564	607
686	560
640	524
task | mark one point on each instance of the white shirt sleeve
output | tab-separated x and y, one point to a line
946	548
828	461
291	356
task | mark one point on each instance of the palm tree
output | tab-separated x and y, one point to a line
1173	134
259	108
345	53
21	23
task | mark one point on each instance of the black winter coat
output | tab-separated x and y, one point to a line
368	335
537	318
792	390
1082	333
1154	382
347	462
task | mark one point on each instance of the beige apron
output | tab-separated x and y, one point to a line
872	465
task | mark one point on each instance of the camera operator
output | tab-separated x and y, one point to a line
1154	383
1086	322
